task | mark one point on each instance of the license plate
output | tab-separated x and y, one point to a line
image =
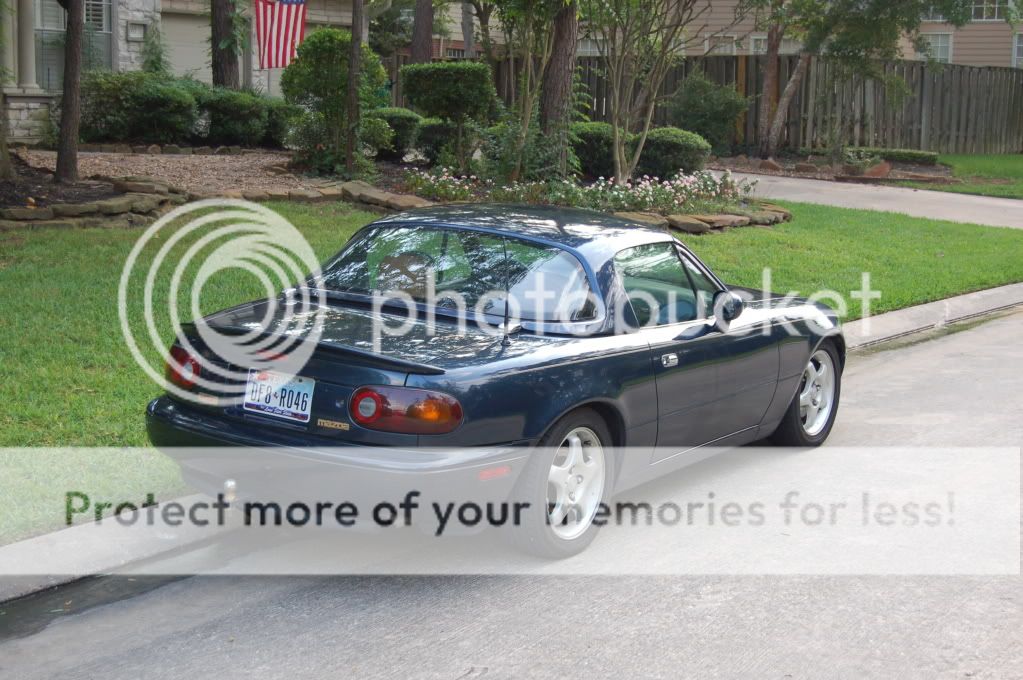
274	394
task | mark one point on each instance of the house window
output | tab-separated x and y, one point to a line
940	46
719	44
588	47
990	10
1017	51
933	15
758	45
51	20
455	54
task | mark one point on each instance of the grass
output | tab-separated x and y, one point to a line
983	174
69	381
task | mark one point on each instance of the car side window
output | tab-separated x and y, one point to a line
657	284
705	288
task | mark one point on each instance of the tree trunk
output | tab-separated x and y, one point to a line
70	107
556	97
781	114
354	75
770	88
6	167
422	33
224	57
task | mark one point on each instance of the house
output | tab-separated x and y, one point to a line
988	40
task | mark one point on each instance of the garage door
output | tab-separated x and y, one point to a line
187	37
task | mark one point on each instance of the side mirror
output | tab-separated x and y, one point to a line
727	308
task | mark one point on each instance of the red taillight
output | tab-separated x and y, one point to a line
405	410
182	368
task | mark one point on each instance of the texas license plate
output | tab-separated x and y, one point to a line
280	396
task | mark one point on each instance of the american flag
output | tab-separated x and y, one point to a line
280	28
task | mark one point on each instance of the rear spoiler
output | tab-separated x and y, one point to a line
369	357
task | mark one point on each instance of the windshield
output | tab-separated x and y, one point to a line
465	270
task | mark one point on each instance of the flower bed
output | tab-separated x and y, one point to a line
696	192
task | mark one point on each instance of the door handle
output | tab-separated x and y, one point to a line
669	360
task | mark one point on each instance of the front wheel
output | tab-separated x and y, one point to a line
565	482
811	415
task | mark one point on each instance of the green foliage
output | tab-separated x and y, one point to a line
435	137
309	136
279	115
456	91
135	106
318	81
593	144
235	117
376	134
901	155
669	150
708	109
405	125
860	159
539	158
154	52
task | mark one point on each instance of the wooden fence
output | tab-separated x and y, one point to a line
943	107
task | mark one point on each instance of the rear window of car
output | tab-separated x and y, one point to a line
469	270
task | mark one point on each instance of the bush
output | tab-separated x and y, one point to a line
593	144
435	137
318	81
376	134
669	150
135	106
405	125
235	117
900	155
708	109
279	117
457	91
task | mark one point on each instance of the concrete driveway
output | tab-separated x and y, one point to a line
959	389
938	205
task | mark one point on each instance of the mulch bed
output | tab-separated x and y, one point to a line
824	170
35	186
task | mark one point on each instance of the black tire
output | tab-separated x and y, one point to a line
534	533
790	431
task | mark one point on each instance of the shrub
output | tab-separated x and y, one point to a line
376	134
135	106
594	146
900	155
435	137
318	80
405	125
535	158
279	117
669	150
235	117
456	91
708	109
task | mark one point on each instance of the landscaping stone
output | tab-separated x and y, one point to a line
154	149
806	167
140	187
255	196
7	225
232	193
74	209
330	193
882	169
764	217
278	169
651	219
687	224
306	195
234	150
202	150
353	190
25	214
278	194
784	212
115	206
143	203
719	221
407	202
122	148
177	199
172	149
771	164
138	149
221	150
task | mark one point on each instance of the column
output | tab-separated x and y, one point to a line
27	45
7	58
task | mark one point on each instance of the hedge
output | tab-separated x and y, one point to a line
593	145
135	106
892	155
669	150
235	117
435	135
405	125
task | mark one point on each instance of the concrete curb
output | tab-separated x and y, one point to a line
925	317
95	548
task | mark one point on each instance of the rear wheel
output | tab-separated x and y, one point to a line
564	483
811	415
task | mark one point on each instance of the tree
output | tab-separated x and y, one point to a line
856	34
640	40
6	167
422	33
482	11
354	75
225	43
70	107
556	97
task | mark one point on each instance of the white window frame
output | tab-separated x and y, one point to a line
1001	10
754	38
731	39
1017	51
932	52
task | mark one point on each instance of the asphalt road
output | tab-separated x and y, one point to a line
963	388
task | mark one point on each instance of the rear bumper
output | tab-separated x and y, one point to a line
286	468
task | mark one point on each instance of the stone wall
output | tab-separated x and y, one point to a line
128	54
27	117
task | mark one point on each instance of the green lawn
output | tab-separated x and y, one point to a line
68	379
984	174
